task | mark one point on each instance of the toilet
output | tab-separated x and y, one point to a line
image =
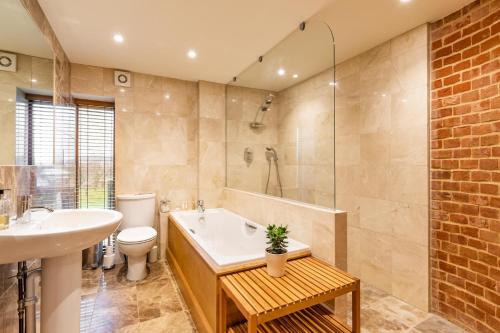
136	235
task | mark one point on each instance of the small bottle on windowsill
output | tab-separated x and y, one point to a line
4	210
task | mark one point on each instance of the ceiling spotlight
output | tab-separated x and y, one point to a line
118	38
281	72
122	90
331	83
384	95
124	110
404	1
295	76
191	54
34	80
167	96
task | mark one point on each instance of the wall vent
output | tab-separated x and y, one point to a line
8	62
122	79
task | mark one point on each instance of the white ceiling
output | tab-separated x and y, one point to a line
227	34
19	33
305	53
359	25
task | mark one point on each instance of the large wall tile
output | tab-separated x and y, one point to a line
381	163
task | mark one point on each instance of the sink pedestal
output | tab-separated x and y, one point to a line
61	291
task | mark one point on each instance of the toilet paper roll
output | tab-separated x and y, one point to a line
163	235
108	261
153	254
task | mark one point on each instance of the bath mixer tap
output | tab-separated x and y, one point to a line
201	206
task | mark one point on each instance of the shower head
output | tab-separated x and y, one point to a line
266	106
269	99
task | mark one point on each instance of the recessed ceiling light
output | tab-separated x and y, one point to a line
384	95
234	100
167	96
331	83
281	72
118	38
122	90
10	100
124	110
295	76
404	1
192	54
34	80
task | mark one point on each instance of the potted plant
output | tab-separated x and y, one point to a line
276	253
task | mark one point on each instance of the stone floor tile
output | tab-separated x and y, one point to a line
436	324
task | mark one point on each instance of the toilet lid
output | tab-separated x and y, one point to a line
136	235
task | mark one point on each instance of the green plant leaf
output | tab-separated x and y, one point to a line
277	238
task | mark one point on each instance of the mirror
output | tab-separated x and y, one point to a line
26	67
280	115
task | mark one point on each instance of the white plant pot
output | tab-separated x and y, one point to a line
276	264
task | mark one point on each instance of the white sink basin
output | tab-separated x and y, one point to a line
58	238
56	234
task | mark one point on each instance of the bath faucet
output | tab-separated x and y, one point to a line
201	206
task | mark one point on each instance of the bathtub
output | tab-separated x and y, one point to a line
203	247
228	238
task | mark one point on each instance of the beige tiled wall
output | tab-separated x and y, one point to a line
242	105
300	126
323	229
28	68
306	127
156	131
381	164
211	142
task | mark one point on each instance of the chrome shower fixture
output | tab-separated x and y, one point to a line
272	156
265	106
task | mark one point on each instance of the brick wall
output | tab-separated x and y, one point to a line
465	166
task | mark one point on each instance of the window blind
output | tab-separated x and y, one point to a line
71	149
96	176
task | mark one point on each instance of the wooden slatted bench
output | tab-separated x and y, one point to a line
316	319
293	298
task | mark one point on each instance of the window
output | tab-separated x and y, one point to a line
71	149
96	156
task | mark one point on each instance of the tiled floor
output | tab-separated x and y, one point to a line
383	313
111	304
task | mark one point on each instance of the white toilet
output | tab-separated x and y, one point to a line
137	235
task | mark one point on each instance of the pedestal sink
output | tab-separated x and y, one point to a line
58	239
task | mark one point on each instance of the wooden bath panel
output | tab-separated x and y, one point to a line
198	275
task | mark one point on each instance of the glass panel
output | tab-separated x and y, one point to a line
280	115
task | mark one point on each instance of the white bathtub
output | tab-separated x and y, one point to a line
227	237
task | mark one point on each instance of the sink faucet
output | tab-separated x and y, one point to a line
48	209
201	206
23	207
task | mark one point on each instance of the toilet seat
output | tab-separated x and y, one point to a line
136	235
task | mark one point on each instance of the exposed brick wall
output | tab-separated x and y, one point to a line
465	166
